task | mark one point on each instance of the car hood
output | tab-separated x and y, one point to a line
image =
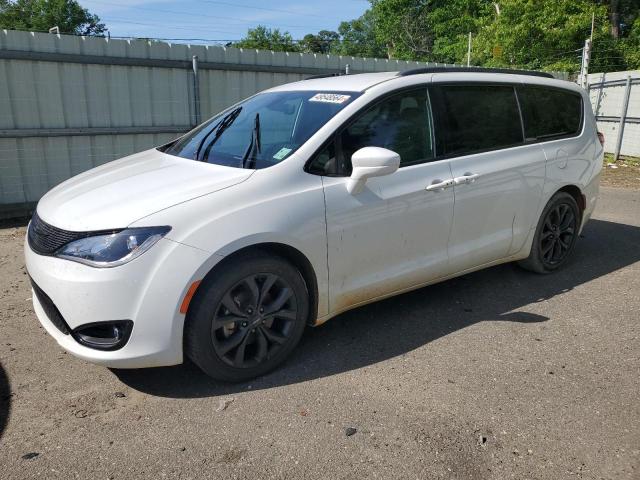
118	193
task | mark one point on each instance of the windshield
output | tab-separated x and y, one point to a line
262	130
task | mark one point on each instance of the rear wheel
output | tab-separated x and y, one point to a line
247	317
555	235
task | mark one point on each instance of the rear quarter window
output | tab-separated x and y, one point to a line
550	112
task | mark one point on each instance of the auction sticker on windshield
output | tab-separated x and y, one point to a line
282	153
330	98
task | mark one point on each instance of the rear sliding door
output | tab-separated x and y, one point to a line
498	178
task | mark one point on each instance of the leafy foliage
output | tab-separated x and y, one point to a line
358	38
265	38
534	34
538	34
320	43
41	15
433	30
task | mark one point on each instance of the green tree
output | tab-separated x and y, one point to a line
265	38
622	15
431	30
319	43
358	38
537	34
41	15
631	46
546	34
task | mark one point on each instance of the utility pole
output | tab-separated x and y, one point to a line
469	51
196	91
623	118
584	69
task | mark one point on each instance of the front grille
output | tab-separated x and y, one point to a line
46	239
50	309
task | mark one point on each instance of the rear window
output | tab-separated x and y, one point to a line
550	112
478	118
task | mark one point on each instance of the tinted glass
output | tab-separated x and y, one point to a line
401	123
549	112
479	117
327	163
261	131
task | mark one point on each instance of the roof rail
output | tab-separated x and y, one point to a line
417	71
324	75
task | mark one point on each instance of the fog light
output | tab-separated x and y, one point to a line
104	335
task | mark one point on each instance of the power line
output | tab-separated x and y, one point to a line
180	26
165	39
241	21
291	12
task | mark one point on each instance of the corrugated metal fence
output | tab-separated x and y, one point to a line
69	103
615	98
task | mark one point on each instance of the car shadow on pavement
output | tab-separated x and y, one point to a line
5	399
386	329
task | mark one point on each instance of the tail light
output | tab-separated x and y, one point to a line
601	138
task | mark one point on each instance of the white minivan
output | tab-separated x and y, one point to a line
304	201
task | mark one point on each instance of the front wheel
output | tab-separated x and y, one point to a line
555	235
247	317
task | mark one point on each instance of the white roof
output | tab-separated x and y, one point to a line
345	83
363	81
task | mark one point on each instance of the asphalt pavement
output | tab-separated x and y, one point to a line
498	374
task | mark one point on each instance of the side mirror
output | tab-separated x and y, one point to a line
371	162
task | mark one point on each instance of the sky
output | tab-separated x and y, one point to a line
220	20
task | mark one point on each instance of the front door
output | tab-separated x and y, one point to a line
393	235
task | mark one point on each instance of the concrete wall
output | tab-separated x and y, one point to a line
607	93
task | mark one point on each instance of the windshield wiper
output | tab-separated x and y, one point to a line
249	157
222	125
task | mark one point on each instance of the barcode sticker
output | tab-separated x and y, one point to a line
330	98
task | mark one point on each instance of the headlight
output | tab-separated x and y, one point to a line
112	249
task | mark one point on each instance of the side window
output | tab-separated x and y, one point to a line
549	112
325	163
478	118
401	123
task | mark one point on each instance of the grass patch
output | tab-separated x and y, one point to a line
623	159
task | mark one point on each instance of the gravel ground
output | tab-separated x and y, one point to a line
498	374
623	174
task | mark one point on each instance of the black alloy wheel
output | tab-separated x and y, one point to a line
253	320
247	316
558	234
555	235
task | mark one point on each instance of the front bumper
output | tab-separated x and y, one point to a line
148	290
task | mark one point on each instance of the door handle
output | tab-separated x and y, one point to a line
466	179
439	185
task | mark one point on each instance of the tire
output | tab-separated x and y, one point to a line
555	236
247	317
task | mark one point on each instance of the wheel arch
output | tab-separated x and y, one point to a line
291	254
577	195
